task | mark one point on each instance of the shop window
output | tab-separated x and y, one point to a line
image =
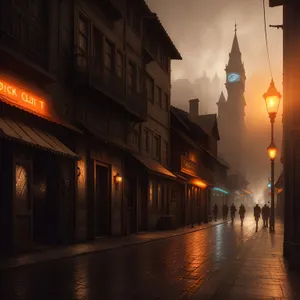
159	197
158	96
150	193
22	187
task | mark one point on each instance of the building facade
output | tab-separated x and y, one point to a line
194	159
231	112
291	133
75	108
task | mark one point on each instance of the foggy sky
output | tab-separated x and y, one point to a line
203	32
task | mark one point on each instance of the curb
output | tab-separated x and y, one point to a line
70	256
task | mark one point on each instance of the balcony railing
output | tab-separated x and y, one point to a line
94	75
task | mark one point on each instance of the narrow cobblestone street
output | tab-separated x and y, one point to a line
195	265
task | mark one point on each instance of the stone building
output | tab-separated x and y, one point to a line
79	98
231	111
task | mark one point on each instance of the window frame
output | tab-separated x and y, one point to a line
150	80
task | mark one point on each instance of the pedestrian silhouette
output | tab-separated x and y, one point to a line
232	212
242	212
257	212
265	215
226	211
215	212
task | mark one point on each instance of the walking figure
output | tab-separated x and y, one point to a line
257	212
226	211
215	212
265	215
242	212
232	212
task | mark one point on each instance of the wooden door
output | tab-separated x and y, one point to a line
22	207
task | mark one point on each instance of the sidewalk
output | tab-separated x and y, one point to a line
260	273
103	244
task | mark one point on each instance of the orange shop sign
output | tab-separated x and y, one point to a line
22	98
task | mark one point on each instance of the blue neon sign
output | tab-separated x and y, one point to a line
269	184
220	190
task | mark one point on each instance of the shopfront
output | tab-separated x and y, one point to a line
37	171
152	196
219	196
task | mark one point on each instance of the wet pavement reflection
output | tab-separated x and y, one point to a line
174	268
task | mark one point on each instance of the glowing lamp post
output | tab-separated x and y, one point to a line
272	98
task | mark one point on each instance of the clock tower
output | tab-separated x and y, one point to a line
231	113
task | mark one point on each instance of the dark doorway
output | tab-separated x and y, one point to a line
102	203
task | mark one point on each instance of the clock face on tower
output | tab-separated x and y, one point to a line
234	77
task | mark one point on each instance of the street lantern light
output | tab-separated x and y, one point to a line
272	151
272	98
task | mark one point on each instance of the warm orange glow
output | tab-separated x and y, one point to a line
22	98
199	183
272	103
118	178
272	98
272	151
279	191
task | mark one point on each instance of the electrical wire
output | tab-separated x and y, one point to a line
266	37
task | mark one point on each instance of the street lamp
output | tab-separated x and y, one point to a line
272	98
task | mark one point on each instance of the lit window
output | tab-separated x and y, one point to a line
150	193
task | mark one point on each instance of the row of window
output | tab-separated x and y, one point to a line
156	198
25	21
114	63
155	94
152	144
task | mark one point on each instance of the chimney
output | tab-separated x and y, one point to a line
194	108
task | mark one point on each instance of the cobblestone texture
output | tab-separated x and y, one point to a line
217	262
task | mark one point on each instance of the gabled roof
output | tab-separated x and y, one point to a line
222	98
157	23
210	124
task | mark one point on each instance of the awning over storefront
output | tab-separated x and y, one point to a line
153	165
23	133
192	180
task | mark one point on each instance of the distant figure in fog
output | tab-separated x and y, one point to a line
232	212
215	212
257	212
225	211
242	212
265	216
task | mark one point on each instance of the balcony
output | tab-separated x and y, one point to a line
23	46
97	78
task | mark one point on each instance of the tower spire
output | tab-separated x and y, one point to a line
235	45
